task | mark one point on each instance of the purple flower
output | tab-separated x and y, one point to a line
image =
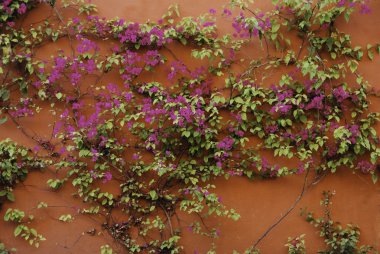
175	68
77	106
152	58
264	163
271	128
332	149
75	78
62	150
316	102
107	177
92	174
300	168
365	166
76	20
284	94
186	113
341	3
22	9
227	12
212	11
340	94
208	23
128	97
86	45
65	114
364	9
281	108
95	154
92	133
60	63
226	144
355	132
57	127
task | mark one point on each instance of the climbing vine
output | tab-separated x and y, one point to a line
162	141
337	238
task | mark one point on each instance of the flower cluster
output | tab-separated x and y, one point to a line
23	109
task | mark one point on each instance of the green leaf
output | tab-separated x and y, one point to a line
370	54
374	177
18	230
153	195
239	100
275	28
3	120
10	196
4	94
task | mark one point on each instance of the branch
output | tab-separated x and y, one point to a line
290	209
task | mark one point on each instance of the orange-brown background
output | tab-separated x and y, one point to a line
260	203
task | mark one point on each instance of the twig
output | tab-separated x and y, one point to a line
290	209
169	220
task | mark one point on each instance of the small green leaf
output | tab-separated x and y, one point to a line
3	120
153	195
18	230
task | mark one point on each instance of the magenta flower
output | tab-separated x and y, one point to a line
95	154
92	174
271	128
212	11
107	177
341	3
365	166
300	168
281	108
227	12
226	144
340	94
316	103
22	9
364	9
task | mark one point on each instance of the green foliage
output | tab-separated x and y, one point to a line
296	245
66	218
106	249
184	136
15	164
338	239
22	230
29	234
14	215
4	250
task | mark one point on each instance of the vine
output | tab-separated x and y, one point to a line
164	141
337	238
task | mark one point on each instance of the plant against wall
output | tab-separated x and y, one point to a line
164	141
337	238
